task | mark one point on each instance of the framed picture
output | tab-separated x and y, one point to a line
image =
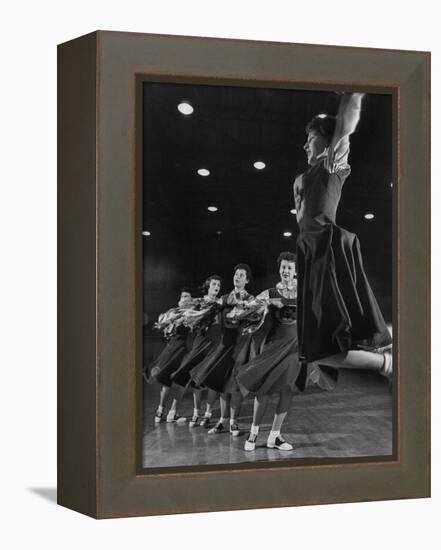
244	274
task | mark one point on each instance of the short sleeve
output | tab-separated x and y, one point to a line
337	159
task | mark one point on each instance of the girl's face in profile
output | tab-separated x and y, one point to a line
314	146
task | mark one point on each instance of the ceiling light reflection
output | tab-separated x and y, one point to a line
185	108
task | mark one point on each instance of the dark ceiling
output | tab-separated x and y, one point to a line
231	128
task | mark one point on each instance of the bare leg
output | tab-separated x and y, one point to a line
179	393
235	403
197	399
359	359
281	409
355	359
172	414
211	398
163	395
224	405
275	441
224	412
259	409
258	412
160	409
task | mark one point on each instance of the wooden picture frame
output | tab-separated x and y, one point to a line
100	276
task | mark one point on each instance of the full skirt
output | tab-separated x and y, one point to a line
337	310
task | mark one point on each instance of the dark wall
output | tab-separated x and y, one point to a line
230	129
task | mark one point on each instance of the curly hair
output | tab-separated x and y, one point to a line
324	125
288	256
206	284
244	267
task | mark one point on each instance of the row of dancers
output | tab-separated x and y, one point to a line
233	346
328	316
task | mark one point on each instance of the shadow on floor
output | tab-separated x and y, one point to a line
48	493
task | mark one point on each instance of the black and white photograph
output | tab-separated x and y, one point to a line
268	288
219	295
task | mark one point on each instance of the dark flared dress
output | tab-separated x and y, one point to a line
277	366
171	357
337	310
217	370
205	340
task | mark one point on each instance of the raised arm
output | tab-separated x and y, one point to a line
348	116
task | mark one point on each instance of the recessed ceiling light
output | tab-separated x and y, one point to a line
203	172
212	208
293	211
146	233
259	165
369	216
391	184
185	108
218	232
287	234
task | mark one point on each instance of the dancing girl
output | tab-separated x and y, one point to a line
170	359
339	321
202	319
276	369
217	371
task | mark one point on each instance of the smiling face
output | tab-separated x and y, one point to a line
240	279
287	271
314	146
214	288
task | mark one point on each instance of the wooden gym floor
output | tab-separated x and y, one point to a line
353	420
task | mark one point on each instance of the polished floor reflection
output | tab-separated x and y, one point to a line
353	420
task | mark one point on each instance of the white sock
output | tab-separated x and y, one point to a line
254	429
386	369
208	415
273	435
232	421
160	409
196	412
222	420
